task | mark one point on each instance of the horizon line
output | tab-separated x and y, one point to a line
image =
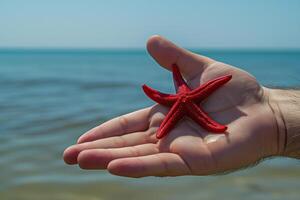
138	49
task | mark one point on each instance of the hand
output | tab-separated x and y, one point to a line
127	145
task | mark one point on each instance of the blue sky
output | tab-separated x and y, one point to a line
127	24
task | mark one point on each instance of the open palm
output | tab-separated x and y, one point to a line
127	145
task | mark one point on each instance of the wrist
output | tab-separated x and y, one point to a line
285	105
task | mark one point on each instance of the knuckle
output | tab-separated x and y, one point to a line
123	124
119	142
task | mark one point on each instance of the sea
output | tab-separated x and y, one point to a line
49	97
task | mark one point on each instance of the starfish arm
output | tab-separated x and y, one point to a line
179	82
199	116
173	116
206	89
159	97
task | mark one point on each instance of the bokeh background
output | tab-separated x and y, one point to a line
67	66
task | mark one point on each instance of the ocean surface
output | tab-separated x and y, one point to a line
48	98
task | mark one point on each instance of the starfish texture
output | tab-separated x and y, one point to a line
185	102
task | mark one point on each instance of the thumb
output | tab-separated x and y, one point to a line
166	54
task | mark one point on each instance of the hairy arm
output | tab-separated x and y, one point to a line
286	107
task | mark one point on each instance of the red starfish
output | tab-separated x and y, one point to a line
185	101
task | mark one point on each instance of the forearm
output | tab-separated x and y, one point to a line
286	107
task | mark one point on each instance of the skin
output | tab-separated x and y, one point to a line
127	146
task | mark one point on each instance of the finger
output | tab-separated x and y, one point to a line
162	164
99	158
166	54
132	139
132	122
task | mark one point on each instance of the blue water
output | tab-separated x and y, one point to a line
48	98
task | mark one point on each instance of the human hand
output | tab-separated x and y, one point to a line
127	145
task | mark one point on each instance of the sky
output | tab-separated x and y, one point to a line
223	24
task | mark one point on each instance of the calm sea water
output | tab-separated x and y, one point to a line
49	98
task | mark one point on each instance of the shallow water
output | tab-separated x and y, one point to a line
49	98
